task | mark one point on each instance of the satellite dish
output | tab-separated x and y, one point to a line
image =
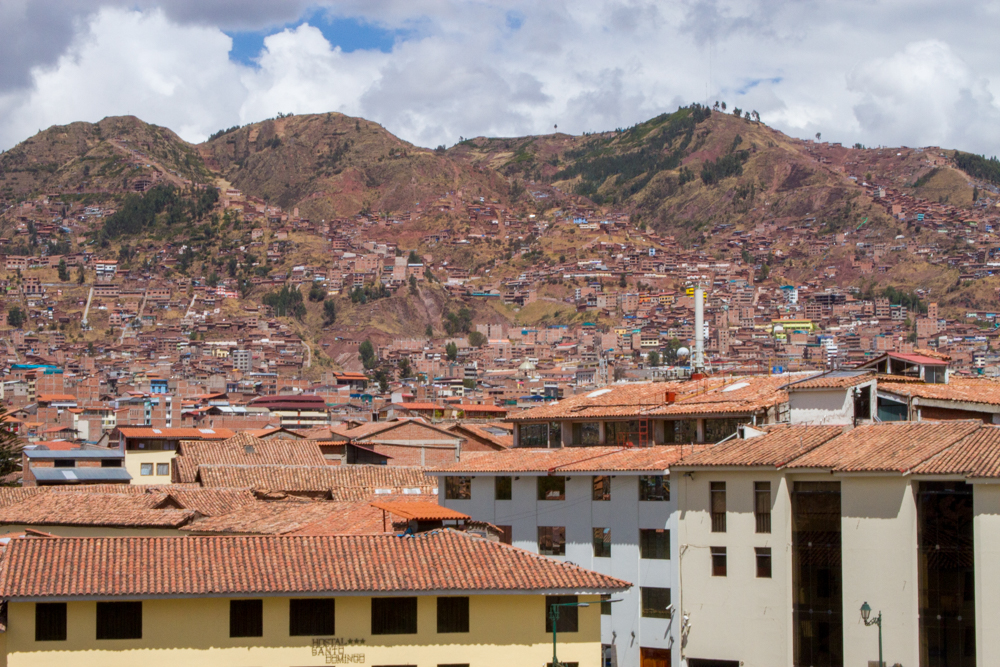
682	352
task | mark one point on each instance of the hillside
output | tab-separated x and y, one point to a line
331	165
117	154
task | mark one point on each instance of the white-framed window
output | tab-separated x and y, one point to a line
162	469
146	469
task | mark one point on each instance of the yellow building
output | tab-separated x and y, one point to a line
439	598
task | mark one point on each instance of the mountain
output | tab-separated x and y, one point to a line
331	165
110	156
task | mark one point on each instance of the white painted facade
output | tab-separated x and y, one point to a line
625	629
822	406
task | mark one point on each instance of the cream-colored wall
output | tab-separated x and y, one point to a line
503	630
879	552
135	458
986	509
736	617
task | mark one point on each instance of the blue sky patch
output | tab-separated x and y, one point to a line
350	34
753	83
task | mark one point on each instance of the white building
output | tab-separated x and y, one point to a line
786	535
606	509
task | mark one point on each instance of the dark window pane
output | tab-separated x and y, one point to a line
457	488
552	540
587	434
605	604
246	618
453	614
602	543
602	487
654	487
655	602
552	488
394	616
119	620
569	616
654	543
763	562
533	435
718	561
718	499
762	506
311	617
502	488
50	621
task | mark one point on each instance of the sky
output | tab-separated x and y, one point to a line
878	72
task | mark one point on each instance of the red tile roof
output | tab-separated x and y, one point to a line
286	517
420	510
959	389
977	455
780	445
143	567
176	433
95	509
571	459
317	478
243	449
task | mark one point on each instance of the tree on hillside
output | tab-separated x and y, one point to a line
329	312
366	352
429	331
16	317
63	271
413	258
383	381
451	351
413	284
405	370
80	278
316	292
477	339
653	358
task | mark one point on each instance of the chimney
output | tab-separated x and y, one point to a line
671	397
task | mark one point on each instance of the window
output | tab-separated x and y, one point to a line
762	506
605	604
552	488
246	618
569	617
763	562
457	488
718	561
502	488
620	433
146	469
394	616
64	463
718	497
680	431
162	469
602	543
654	543
587	434
602	487
533	435
311	617
111	463
119	620
552	540
50	621
654	487
453	614
506	534
655	602
720	429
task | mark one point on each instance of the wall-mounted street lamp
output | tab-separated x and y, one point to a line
554	617
866	613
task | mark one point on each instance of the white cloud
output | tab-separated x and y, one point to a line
519	67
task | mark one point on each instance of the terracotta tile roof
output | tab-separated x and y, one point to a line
209	502
834	380
977	455
714	395
967	390
316	478
95	509
61	398
498	441
370	431
10	495
780	445
886	447
571	459
141	567
176	433
419	510
243	449
290	517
